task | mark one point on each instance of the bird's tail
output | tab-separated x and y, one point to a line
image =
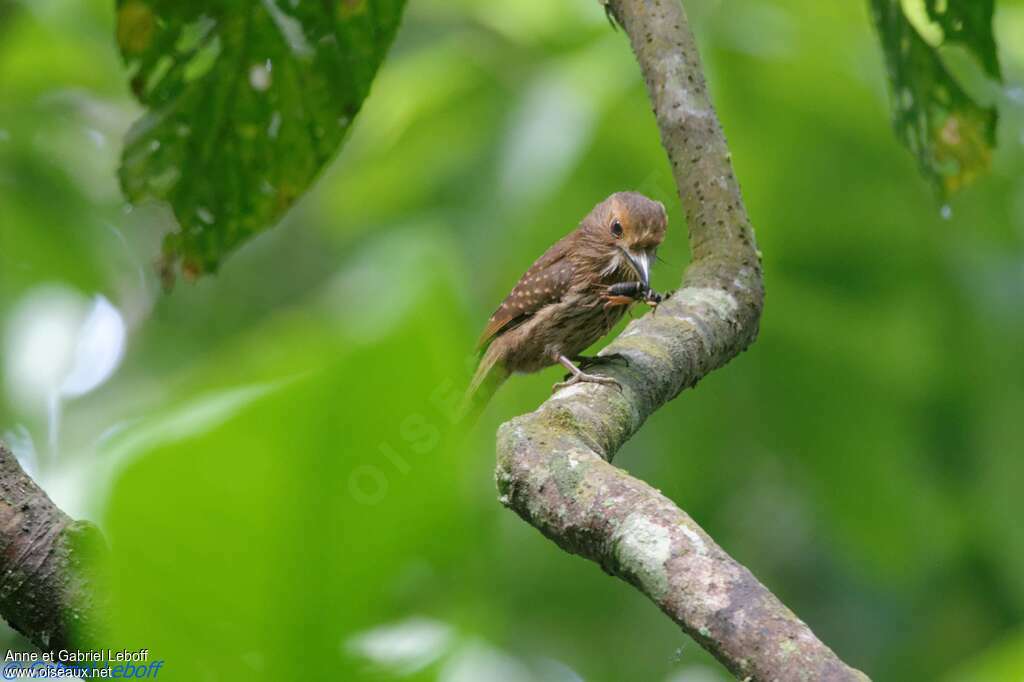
490	375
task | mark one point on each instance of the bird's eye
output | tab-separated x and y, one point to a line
617	228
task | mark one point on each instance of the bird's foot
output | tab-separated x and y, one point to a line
583	377
587	361
578	375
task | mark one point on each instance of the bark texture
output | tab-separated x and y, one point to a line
47	592
554	464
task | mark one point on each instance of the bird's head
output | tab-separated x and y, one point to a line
624	232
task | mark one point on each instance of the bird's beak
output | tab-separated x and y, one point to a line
641	263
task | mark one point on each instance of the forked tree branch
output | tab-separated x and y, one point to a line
554	464
48	590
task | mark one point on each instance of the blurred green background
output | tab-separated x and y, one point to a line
271	457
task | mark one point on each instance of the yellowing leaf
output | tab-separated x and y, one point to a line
950	133
135	26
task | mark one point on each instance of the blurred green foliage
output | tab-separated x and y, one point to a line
272	462
947	129
246	102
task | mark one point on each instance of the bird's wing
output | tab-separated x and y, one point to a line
547	280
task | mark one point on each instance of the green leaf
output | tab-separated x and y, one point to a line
968	23
246	101
951	134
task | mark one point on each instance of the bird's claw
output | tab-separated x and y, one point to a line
583	377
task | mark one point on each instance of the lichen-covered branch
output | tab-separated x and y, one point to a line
47	591
554	464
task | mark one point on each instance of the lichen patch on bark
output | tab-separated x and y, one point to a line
641	548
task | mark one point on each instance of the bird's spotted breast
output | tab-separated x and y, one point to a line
546	282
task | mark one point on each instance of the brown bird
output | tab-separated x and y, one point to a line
565	302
